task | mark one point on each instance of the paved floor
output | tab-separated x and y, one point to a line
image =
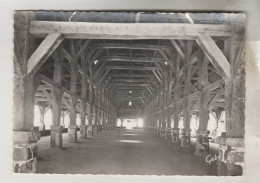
131	152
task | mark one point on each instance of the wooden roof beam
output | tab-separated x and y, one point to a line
129	46
215	56
132	80
120	75
137	68
41	54
177	48
132	59
85	30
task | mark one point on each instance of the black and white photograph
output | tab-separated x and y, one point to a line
167	91
129	93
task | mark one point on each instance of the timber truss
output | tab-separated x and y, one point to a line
163	69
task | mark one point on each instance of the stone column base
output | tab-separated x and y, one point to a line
202	143
25	151
72	132
83	131
185	137
231	153
56	136
175	135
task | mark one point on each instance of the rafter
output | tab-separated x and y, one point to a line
215	55
48	45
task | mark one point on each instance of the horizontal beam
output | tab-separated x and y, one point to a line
125	90
126	75
132	80
129	96
85	30
137	68
132	59
130	87
129	46
130	84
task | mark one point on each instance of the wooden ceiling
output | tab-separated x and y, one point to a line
129	61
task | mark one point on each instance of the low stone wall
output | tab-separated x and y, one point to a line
48	132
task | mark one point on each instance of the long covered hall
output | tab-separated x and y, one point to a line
121	151
132	93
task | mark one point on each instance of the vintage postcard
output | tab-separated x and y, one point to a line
129	93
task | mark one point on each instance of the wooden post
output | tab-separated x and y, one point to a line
83	127
94	120
202	143
175	130
99	112
96	110
63	114
56	129
168	99
42	109
122	121
161	117
90	108
72	129
176	96
186	106
25	137
232	146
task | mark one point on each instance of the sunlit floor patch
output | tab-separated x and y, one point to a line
130	141
130	134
